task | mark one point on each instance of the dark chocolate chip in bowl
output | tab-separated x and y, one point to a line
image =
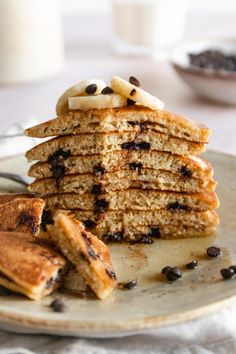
91	89
58	305
213	251
165	270
130	285
227	273
96	189
89	224
134	81
185	172
143	146
107	90
192	265
132	92
173	274
130	102
101	205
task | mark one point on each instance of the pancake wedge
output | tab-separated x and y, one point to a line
122	120
89	255
28	266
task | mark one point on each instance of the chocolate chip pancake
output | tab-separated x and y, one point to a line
123	179
89	255
100	143
122	120
61	164
21	214
134	199
28	266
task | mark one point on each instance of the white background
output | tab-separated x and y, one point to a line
102	6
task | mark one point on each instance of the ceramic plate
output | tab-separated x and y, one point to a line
154	303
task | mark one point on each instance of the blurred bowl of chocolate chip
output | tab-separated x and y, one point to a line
208	66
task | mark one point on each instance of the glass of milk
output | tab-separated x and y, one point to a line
147	26
31	41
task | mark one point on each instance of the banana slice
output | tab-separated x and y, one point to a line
77	90
135	93
97	102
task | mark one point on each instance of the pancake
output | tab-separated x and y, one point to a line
89	255
120	180
28	266
133	199
100	143
122	120
99	164
21	214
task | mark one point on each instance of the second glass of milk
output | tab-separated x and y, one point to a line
148	26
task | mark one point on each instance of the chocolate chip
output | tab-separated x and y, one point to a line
130	285
177	206
130	102
101	205
173	274
128	146
185	172
192	264
143	239
135	166
134	81
111	273
91	89
89	224
154	232
29	221
227	273
107	90
132	92
143	146
58	156
58	306
213	251
141	125
165	270
213	59
233	267
90	250
5	292
58	171
98	170
117	236
96	189
49	283
47	219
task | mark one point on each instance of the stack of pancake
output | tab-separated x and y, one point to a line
128	173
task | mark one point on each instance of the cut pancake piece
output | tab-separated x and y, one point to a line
88	144
133	199
122	120
93	220
123	179
22	215
146	234
89	255
27	266
99	164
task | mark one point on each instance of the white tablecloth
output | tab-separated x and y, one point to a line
89	56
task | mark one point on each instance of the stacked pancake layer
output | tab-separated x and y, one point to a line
128	173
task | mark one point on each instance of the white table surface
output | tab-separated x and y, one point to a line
89	54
